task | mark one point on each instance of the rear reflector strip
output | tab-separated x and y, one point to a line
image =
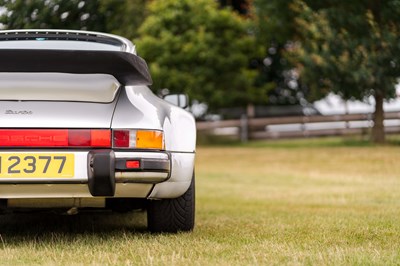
97	138
132	164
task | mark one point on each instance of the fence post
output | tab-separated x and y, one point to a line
244	128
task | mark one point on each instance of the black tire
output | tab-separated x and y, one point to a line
172	215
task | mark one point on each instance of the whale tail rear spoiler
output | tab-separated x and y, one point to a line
127	68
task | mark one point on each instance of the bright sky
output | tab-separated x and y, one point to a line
333	104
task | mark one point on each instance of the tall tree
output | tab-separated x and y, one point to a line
194	46
348	47
351	48
276	31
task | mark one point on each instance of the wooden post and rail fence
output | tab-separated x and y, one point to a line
298	126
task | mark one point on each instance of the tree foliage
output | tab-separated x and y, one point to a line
123	17
200	49
116	16
276	30
351	48
68	14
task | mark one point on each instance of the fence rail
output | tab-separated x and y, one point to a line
298	126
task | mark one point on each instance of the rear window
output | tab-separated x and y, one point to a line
60	40
58	45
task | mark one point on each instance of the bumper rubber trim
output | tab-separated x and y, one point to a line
101	173
146	165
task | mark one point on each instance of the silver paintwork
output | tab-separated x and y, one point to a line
179	134
146	177
132	190
98	88
45	114
181	175
139	108
134	107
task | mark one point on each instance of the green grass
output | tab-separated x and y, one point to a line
313	202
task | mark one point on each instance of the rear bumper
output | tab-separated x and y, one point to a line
104	174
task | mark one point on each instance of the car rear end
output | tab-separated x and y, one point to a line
80	129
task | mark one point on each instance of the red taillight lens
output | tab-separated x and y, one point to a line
100	138
79	138
55	138
121	138
33	138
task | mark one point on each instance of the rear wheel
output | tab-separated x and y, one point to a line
172	215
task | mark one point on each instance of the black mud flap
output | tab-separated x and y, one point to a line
101	173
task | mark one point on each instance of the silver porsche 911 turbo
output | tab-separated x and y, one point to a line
80	129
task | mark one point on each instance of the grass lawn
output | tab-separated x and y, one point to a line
264	203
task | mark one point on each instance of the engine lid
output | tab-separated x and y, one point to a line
57	100
39	114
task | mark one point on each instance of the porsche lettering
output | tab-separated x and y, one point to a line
11	112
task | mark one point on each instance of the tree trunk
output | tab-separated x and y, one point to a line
378	130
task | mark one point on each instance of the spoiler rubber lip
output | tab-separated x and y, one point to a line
127	68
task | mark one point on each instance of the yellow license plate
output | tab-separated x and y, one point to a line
36	165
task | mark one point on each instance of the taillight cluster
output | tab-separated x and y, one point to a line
82	138
138	139
97	138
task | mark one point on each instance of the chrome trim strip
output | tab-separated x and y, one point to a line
133	190
56	203
148	177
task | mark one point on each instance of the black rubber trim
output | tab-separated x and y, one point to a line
146	165
101	173
127	68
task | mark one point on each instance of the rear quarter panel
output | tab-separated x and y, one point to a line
139	108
